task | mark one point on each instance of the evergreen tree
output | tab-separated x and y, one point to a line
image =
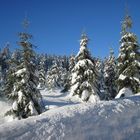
84	78
64	75
10	78
54	77
110	75
65	62
71	62
71	66
27	100
4	66
100	76
128	67
68	74
42	73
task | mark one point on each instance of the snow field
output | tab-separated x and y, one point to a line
118	119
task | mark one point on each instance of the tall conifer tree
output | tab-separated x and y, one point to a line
110	75
129	59
84	78
27	100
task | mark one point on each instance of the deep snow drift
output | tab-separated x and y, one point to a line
118	119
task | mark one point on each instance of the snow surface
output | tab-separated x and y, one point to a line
94	98
124	92
85	95
117	120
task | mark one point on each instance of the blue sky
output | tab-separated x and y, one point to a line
57	24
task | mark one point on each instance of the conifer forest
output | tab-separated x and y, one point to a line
70	97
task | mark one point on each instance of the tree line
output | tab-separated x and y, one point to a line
23	73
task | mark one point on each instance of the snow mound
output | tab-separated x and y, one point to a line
117	120
124	92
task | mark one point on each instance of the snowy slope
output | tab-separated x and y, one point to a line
113	120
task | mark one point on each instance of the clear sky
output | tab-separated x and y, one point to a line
57	24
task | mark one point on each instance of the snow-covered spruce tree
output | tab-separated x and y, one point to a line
100	76
10	77
4	66
68	74
54	77
5	56
84	75
49	61
128	67
64	75
71	62
65	62
71	66
42	73
110	75
27	100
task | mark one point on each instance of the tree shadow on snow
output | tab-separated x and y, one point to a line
55	104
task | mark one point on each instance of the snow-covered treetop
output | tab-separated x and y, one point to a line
126	24
128	38
84	40
83	52
23	35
